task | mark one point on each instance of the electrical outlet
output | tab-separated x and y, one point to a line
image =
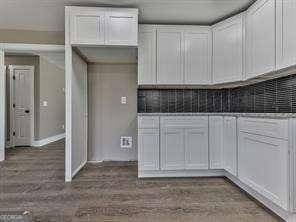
63	126
126	142
45	103
123	100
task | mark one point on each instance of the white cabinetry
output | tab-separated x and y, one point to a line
184	143
230	145
175	55
103	26
198	55
260	38
147	55
216	142
170	55
286	33
228	45
148	143
263	159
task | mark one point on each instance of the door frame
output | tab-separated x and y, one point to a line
11	69
34	49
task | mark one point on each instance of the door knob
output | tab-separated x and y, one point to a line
27	111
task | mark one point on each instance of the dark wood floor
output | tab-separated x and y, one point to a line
33	179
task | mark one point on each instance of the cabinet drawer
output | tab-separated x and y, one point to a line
148	122
277	128
184	121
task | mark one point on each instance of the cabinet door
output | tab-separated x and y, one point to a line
198	56
196	149
230	145
148	149
263	165
169	56
147	55
172	149
286	33
260	38
88	27
216	141
121	28
228	50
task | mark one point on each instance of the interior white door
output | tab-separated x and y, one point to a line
22	108
2	107
169	56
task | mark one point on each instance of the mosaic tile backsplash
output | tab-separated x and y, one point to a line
272	96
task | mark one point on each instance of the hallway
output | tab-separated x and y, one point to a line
32	179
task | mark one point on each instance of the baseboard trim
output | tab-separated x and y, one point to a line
180	173
43	142
79	168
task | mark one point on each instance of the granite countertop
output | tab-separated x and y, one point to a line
253	115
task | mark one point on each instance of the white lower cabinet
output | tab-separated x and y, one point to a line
230	145
184	143
172	149
263	166
216	141
148	144
196	149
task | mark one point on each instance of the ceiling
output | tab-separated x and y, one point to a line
48	15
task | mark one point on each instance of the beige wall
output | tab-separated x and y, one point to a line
108	118
49	83
31	37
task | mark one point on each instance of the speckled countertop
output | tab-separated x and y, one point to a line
253	115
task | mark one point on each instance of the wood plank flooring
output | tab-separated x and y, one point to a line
32	179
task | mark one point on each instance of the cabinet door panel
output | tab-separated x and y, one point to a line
230	145
216	141
121	28
228	50
198	50
148	149
263	165
286	33
147	56
172	149
261	43
169	57
88	28
196	149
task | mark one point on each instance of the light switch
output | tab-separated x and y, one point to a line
44	103
123	100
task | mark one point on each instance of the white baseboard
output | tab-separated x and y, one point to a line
43	142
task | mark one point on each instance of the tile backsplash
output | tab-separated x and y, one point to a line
272	96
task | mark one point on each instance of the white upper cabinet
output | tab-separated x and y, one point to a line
230	145
260	38
198	55
147	55
286	33
87	26
121	27
170	56
103	26
228	44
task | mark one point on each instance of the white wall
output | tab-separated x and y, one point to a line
108	118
